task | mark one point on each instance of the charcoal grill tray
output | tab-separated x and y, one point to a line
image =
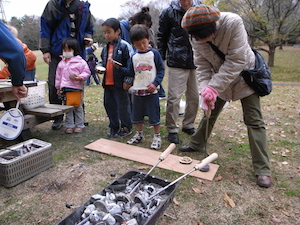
74	217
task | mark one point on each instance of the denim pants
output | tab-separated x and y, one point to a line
256	132
88	81
117	106
30	75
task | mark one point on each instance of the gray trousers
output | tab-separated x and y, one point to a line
181	81
75	118
256	132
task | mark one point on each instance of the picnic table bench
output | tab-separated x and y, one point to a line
32	116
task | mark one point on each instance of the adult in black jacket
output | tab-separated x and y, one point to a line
174	46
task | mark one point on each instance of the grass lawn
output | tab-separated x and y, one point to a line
77	173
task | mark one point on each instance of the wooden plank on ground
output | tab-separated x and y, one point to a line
149	157
50	110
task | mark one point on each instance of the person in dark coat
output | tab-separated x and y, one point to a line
174	46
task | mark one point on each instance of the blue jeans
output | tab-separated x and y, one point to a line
88	81
30	75
117	106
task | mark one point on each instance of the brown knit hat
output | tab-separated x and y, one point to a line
199	17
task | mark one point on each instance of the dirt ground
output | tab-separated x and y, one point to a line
77	173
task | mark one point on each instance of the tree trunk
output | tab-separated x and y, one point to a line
271	55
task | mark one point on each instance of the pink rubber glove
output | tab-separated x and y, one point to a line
209	97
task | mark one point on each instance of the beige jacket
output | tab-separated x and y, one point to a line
232	39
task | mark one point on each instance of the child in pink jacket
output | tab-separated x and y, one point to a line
71	73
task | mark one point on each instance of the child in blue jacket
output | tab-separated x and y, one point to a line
116	83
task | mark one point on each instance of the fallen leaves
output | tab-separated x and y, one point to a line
229	200
218	178
197	190
175	201
276	220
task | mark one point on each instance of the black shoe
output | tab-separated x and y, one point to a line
190	131
124	132
57	124
112	133
187	149
173	138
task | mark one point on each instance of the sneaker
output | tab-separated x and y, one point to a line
156	143
112	134
173	138
123	132
137	138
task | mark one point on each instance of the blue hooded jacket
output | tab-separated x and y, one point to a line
55	25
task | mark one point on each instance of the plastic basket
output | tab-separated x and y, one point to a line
21	168
35	97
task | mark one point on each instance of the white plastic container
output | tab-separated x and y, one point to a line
36	96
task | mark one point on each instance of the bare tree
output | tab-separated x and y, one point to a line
272	22
133	6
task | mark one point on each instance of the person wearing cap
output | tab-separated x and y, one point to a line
219	79
62	19
174	47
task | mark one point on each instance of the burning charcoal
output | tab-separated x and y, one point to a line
87	223
115	210
122	197
98	197
101	206
101	223
112	197
140	199
149	189
89	209
132	222
95	217
109	219
134	210
126	216
119	218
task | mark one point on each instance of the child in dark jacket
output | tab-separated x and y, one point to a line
116	83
